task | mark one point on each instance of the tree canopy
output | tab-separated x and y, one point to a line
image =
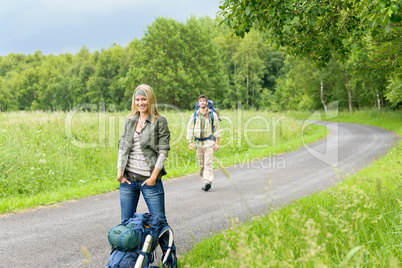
322	30
315	28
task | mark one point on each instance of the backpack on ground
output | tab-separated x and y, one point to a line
212	108
134	244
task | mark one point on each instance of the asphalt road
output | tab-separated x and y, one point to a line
54	236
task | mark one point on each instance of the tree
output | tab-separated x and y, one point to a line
5	96
323	30
301	26
28	88
54	83
160	65
179	61
273	62
105	84
394	88
299	88
82	68
250	70
249	56
227	46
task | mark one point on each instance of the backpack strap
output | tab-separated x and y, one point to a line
212	119
121	237
210	137
122	256
142	259
195	116
169	231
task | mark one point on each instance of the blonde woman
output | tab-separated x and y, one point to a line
143	148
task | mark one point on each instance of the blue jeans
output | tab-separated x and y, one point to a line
154	197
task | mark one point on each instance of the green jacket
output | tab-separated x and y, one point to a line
155	136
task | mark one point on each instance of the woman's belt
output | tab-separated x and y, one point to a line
134	177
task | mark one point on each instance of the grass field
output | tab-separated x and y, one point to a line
51	157
357	223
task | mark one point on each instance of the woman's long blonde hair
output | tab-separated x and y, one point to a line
151	98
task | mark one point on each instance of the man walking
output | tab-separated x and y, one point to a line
205	129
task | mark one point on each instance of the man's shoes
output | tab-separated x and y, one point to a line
206	186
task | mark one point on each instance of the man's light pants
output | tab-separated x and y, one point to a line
205	157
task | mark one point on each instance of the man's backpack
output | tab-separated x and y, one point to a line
134	244
212	108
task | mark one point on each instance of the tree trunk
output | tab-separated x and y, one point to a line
247	91
322	97
349	93
237	93
379	102
247	66
350	99
253	99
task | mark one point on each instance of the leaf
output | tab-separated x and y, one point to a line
248	11
296	21
389	12
351	254
311	21
388	27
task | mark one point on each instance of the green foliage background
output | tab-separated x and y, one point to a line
182	60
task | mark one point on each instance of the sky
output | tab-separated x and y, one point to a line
65	26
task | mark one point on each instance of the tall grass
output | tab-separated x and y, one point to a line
50	157
357	223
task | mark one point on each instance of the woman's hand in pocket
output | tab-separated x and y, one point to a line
150	181
124	180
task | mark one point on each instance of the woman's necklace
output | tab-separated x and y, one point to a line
141	122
